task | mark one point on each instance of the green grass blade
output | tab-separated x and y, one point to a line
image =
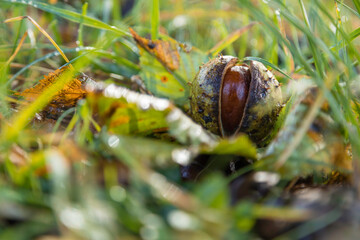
72	16
320	45
357	5
341	31
116	11
354	34
297	54
120	60
155	19
315	52
81	27
349	8
269	64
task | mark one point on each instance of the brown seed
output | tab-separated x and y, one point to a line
233	97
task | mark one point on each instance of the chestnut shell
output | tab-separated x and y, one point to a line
263	104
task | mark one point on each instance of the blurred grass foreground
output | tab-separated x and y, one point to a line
96	141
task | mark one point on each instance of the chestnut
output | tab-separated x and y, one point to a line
228	97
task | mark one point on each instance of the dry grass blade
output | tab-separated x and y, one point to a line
16	50
42	31
286	49
305	124
229	39
307	121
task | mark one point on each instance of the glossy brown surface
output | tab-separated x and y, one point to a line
205	93
233	97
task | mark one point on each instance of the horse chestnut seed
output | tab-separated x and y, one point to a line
229	98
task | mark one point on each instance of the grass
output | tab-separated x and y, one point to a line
109	166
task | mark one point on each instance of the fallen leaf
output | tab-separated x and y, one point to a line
167	67
63	100
165	51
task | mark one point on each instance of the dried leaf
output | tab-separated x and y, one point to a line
167	67
64	99
165	51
